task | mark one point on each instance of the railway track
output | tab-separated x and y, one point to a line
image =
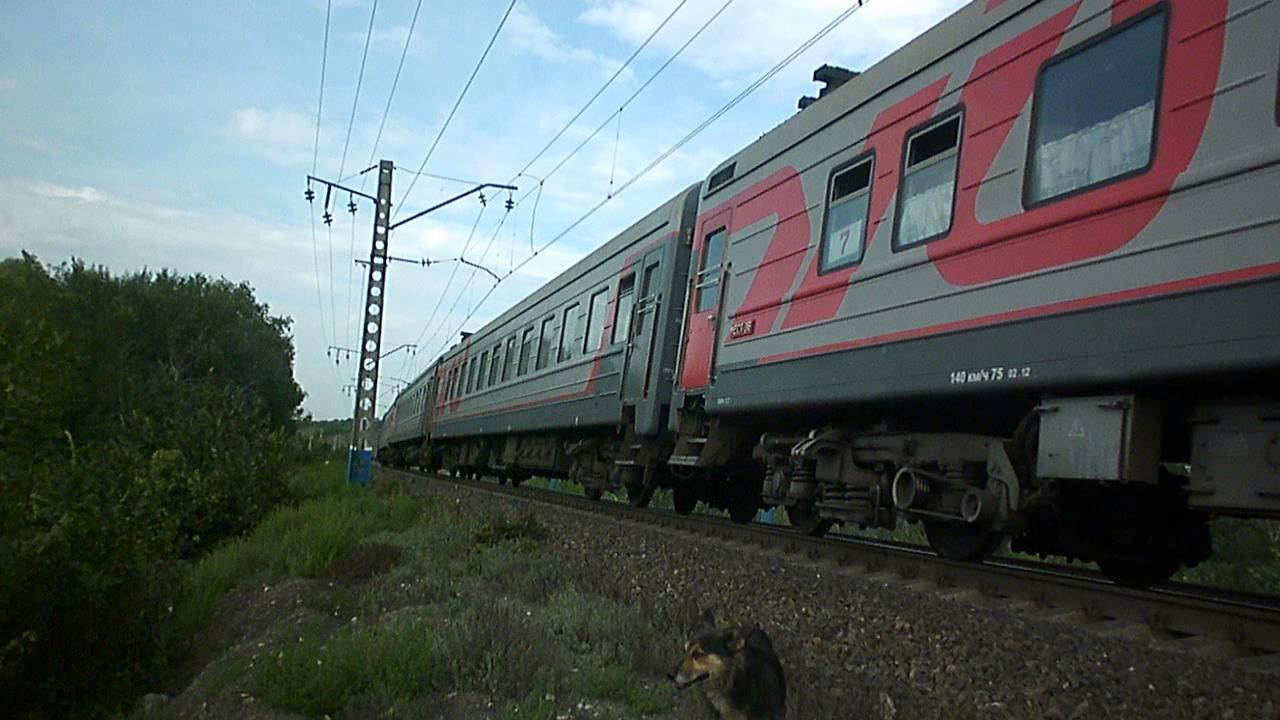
1240	628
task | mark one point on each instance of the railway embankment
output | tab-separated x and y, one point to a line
423	598
857	645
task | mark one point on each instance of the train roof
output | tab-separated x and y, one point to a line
662	214
953	32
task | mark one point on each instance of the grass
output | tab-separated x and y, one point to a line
319	677
437	602
299	541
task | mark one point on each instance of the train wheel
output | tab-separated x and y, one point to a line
639	493
955	541
684	499
804	517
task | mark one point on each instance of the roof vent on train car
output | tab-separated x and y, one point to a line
831	77
721	176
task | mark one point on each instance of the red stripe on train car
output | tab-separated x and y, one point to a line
1093	223
819	296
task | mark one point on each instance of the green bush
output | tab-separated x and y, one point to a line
143	419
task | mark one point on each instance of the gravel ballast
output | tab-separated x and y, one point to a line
856	647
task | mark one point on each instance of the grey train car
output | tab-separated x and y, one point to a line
1017	280
576	380
404	428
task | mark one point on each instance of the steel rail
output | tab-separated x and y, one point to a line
1241	628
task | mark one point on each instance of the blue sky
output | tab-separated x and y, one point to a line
178	135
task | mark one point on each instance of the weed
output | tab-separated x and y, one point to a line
524	530
401	659
299	541
620	684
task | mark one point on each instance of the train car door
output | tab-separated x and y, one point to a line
702	327
644	323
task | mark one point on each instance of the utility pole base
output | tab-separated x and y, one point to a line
359	467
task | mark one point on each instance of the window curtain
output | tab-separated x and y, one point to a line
1095	153
926	204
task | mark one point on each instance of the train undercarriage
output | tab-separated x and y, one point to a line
1126	481
1120	480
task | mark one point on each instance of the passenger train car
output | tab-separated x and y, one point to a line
1015	280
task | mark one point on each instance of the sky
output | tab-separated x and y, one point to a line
179	135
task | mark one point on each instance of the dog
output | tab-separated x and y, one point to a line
737	669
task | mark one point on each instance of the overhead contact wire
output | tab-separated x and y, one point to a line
458	103
769	74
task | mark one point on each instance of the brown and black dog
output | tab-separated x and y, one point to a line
738	670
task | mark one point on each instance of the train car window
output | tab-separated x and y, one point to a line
928	192
597	309
481	380
495	365
546	342
509	365
622	314
846	224
569	331
526	350
471	375
720	177
1094	117
709	276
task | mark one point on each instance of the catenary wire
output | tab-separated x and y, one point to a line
769	74
395	82
342	166
444	320
315	157
697	33
476	71
603	87
355	100
617	73
440	298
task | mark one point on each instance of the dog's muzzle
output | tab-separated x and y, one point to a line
684	681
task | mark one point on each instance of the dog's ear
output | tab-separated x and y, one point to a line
734	639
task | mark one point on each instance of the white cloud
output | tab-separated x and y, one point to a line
284	136
752	35
84	193
526	31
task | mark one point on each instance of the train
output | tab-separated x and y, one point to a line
1016	281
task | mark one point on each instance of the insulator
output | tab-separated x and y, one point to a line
328	219
351	206
511	204
310	195
483	200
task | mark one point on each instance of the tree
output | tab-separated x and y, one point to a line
142	419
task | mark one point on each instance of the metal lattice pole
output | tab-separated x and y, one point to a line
361	458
